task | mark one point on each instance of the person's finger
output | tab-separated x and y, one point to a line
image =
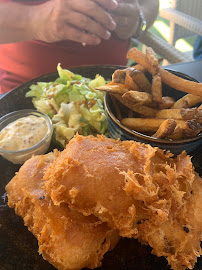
93	10
71	33
84	22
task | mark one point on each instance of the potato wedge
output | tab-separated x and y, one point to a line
119	76
149	112
181	114
140	68
145	111
167	77
139	57
144	125
187	101
166	128
143	69
130	84
157	88
123	76
166	103
185	129
116	89
141	80
135	97
180	84
152	58
193	128
140	109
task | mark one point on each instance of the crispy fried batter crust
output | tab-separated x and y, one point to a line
137	189
66	238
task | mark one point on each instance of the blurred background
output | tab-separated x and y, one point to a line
161	28
175	30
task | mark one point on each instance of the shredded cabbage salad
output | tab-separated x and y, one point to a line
72	103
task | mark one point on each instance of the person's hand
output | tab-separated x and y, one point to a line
126	16
84	21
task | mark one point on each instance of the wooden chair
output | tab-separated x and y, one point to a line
185	17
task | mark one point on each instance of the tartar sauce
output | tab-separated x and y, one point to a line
23	133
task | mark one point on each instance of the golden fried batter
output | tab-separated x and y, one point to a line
137	189
66	238
89	176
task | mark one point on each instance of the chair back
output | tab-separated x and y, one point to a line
189	7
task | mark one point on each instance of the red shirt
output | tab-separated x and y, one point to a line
22	61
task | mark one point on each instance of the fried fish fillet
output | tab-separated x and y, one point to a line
142	191
89	176
66	238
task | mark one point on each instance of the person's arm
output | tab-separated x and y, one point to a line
14	22
84	21
127	16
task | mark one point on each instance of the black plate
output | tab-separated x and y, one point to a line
18	247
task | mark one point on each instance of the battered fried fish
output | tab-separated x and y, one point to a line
142	191
66	238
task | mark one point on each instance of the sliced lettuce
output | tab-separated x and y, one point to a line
47	106
38	90
64	133
73	104
98	81
65	74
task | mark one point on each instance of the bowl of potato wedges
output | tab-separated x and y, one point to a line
150	104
